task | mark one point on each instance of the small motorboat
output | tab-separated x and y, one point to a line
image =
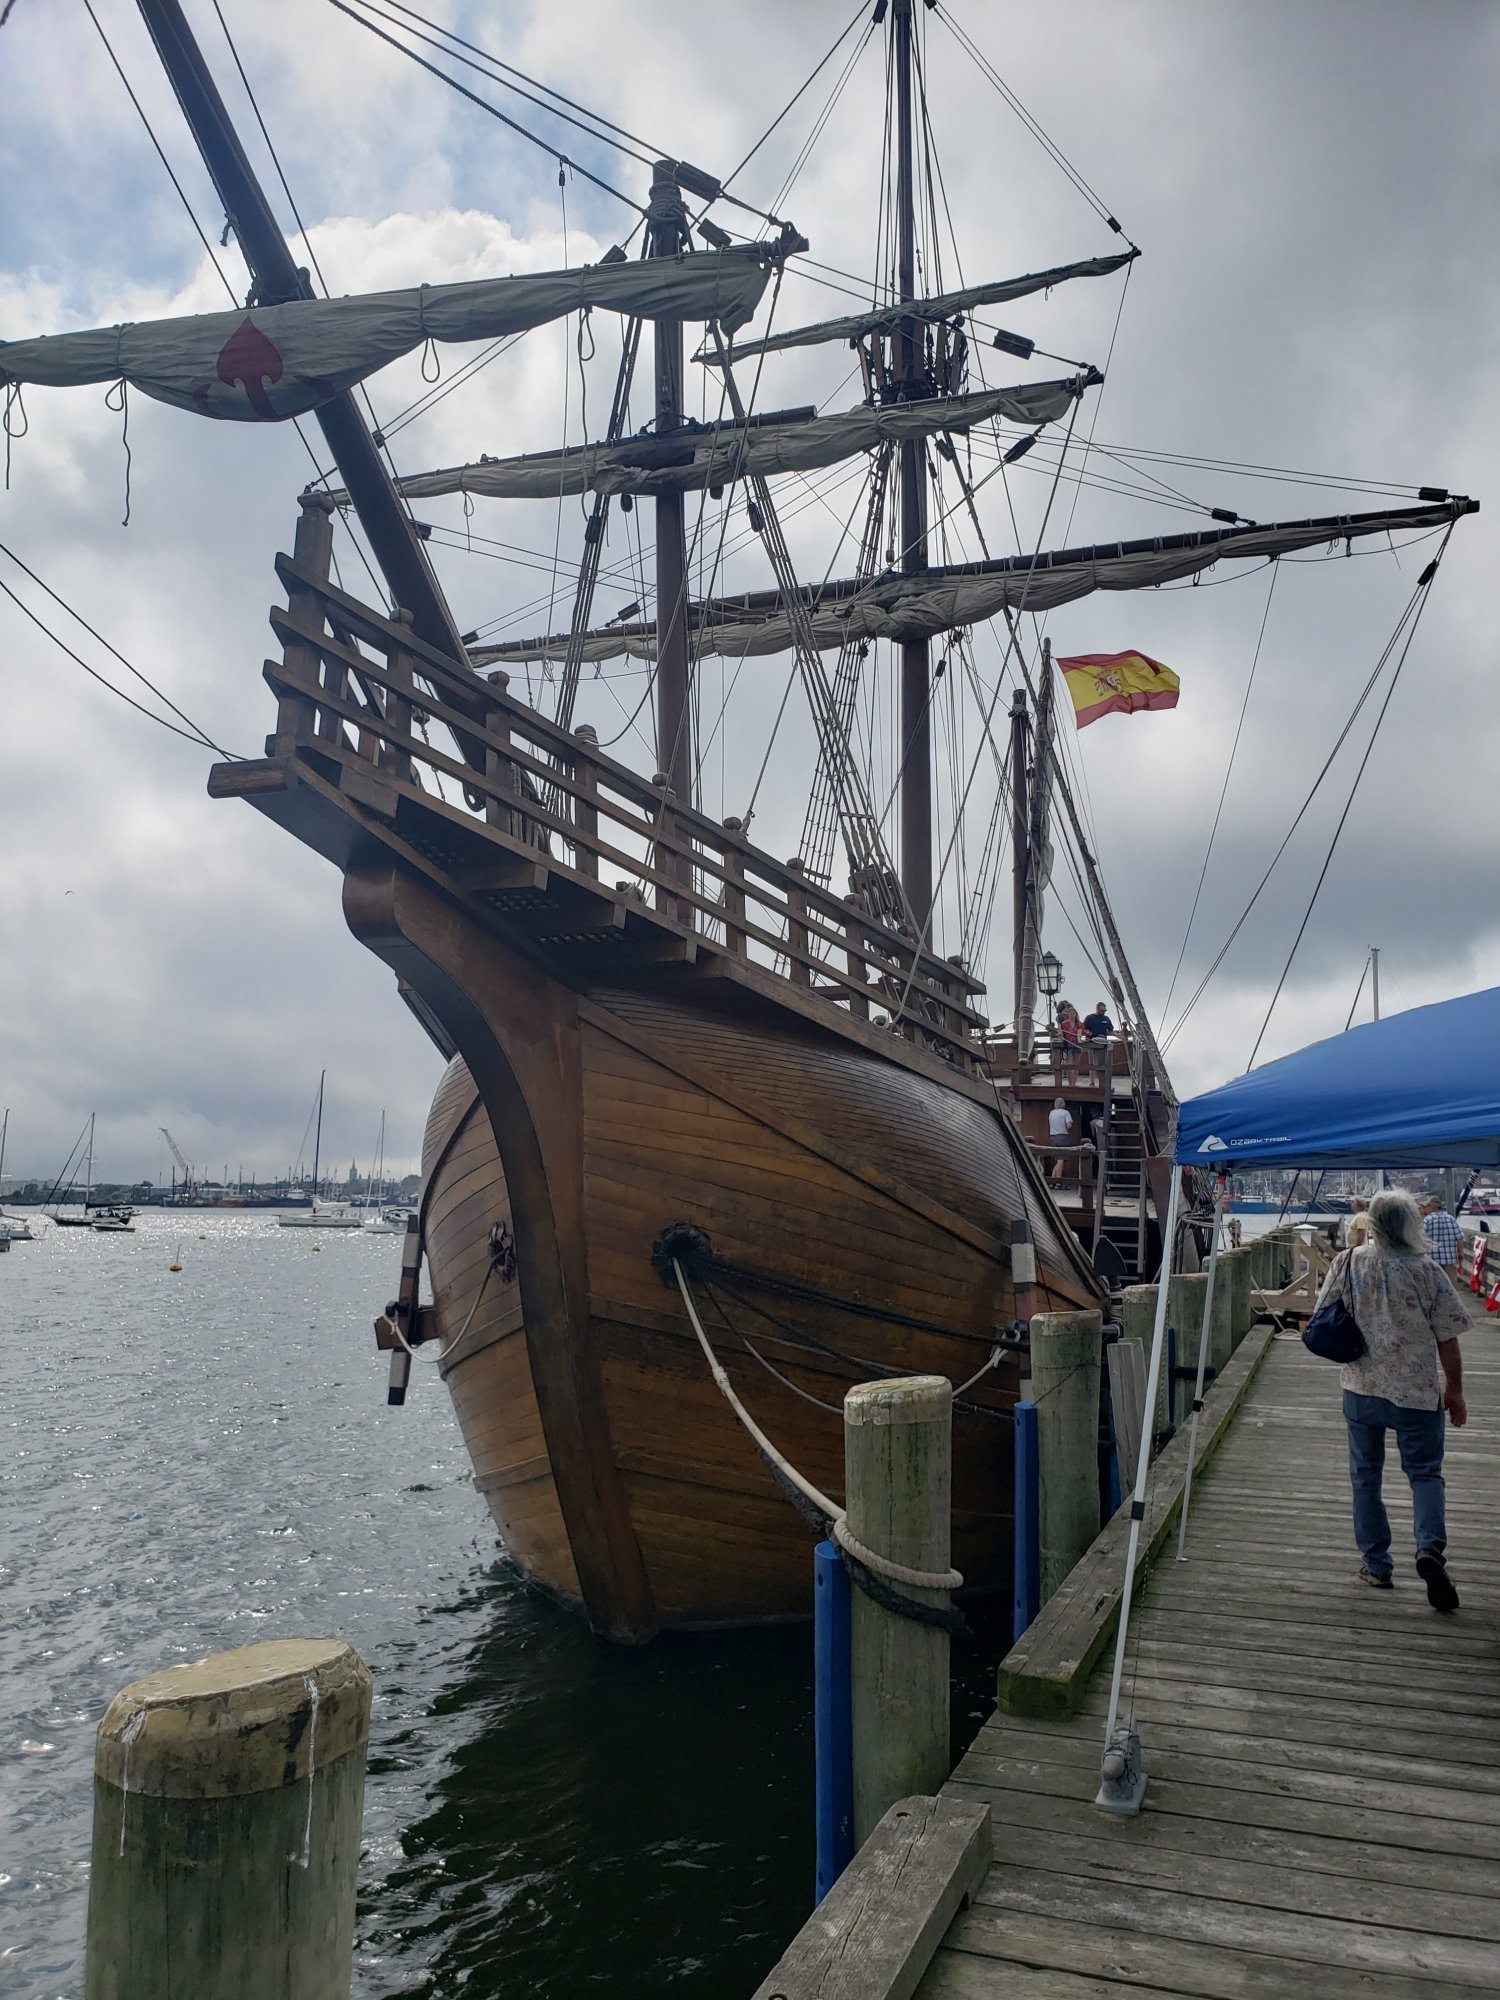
113	1220
387	1222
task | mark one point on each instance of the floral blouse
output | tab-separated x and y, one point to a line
1405	1306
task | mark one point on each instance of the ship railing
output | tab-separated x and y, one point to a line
1080	1066
517	810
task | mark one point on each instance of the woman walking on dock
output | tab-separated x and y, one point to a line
1410	1373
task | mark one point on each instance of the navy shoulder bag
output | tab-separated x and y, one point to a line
1333	1332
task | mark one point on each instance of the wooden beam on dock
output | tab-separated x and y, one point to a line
873	1935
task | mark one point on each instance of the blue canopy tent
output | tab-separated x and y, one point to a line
1420	1089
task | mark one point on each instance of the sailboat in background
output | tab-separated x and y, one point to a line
380	1219
14	1228
320	1214
698	1095
85	1220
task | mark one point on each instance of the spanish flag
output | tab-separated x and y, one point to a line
1109	683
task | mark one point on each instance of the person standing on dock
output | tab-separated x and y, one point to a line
1410	1373
1357	1228
1443	1235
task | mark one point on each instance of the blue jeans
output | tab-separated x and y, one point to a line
1419	1439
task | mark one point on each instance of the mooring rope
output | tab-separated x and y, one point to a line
863	1557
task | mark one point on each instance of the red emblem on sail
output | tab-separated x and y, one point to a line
249	358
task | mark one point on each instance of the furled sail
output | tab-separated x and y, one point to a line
265	363
888	318
701	455
941	600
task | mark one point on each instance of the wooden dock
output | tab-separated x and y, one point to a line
1323	1812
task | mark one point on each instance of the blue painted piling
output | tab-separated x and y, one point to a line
832	1752
1027	1564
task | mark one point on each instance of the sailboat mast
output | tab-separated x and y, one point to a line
1038	816
1020	822
318	1134
916	723
667	230
384	516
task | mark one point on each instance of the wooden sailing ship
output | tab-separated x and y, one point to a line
680	1066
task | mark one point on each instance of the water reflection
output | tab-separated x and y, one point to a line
629	1822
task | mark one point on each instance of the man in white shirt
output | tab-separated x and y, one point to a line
1060	1129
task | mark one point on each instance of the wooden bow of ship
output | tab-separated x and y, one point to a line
662	1023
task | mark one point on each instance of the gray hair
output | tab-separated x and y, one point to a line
1397	1223
1059	1104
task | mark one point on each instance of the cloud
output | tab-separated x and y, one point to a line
1316	293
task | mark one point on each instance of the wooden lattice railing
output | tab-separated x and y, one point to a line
517	808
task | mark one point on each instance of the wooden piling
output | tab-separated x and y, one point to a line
1185	1315
1065	1356
1236	1275
227	1804
1137	1322
898	1477
1221	1334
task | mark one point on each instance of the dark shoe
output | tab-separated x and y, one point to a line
1434	1573
1378	1579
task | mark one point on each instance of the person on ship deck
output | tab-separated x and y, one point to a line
1070	1034
1060	1130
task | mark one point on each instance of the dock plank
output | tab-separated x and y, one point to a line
1322	1815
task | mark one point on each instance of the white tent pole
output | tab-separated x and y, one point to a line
1220	1194
1143	1462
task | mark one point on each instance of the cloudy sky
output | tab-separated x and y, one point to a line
1313	190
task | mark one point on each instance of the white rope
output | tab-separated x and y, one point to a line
914	1579
443	1352
997	1355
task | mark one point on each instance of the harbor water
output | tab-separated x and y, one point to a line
199	1459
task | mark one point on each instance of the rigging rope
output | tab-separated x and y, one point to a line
1058	157
1425	587
1339	741
484	104
805	85
1223	791
191	734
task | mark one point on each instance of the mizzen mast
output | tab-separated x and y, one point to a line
916	719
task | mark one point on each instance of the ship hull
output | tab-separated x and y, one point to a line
864	1196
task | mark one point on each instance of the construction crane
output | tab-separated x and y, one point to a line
188	1182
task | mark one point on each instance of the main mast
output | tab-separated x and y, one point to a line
916	724
667	231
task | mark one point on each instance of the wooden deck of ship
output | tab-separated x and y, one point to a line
1323	1812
